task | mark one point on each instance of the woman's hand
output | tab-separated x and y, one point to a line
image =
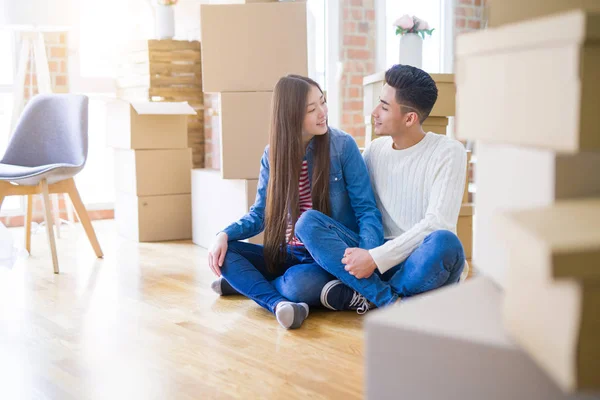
216	253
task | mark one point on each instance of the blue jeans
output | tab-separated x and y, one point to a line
300	279
437	262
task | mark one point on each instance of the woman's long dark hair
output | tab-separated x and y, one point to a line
286	152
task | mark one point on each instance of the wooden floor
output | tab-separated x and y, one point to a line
143	324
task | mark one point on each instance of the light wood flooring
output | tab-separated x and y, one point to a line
142	323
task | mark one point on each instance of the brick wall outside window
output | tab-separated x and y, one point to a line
357	55
469	15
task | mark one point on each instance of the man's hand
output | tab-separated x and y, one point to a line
359	262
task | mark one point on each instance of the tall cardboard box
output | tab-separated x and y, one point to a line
154	218
558	324
510	178
464	229
467	180
553	290
459	351
445	105
153	172
502	12
245	123
436	125
248	47
533	83
560	241
218	203
147	125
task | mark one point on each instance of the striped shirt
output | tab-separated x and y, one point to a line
305	202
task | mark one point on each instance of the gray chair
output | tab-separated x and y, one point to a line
47	149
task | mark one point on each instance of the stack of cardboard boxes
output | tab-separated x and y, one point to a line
152	169
538	243
528	93
242	60
166	70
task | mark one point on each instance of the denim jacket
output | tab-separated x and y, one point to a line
350	192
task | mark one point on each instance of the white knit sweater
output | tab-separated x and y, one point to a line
419	190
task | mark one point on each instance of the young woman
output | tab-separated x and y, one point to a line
307	166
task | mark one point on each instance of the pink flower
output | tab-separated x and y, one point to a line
405	22
422	25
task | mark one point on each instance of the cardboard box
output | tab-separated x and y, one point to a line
553	289
510	178
464	229
372	85
466	192
154	218
503	12
445	105
436	125
556	322
153	172
460	350
218	203
259	44
561	241
147	125
546	67
245	123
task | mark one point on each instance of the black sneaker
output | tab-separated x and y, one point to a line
339	297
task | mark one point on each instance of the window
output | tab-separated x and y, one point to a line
95	49
96	181
13	204
100	45
316	41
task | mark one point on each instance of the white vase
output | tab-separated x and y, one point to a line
411	50
165	22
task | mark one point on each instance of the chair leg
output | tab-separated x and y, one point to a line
70	213
49	223
56	211
2	192
84	217
28	218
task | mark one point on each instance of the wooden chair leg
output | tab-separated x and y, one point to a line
28	218
56	211
70	212
49	223
84	217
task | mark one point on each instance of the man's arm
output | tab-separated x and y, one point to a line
442	213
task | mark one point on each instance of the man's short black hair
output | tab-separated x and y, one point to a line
414	88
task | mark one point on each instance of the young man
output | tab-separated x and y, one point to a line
418	179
